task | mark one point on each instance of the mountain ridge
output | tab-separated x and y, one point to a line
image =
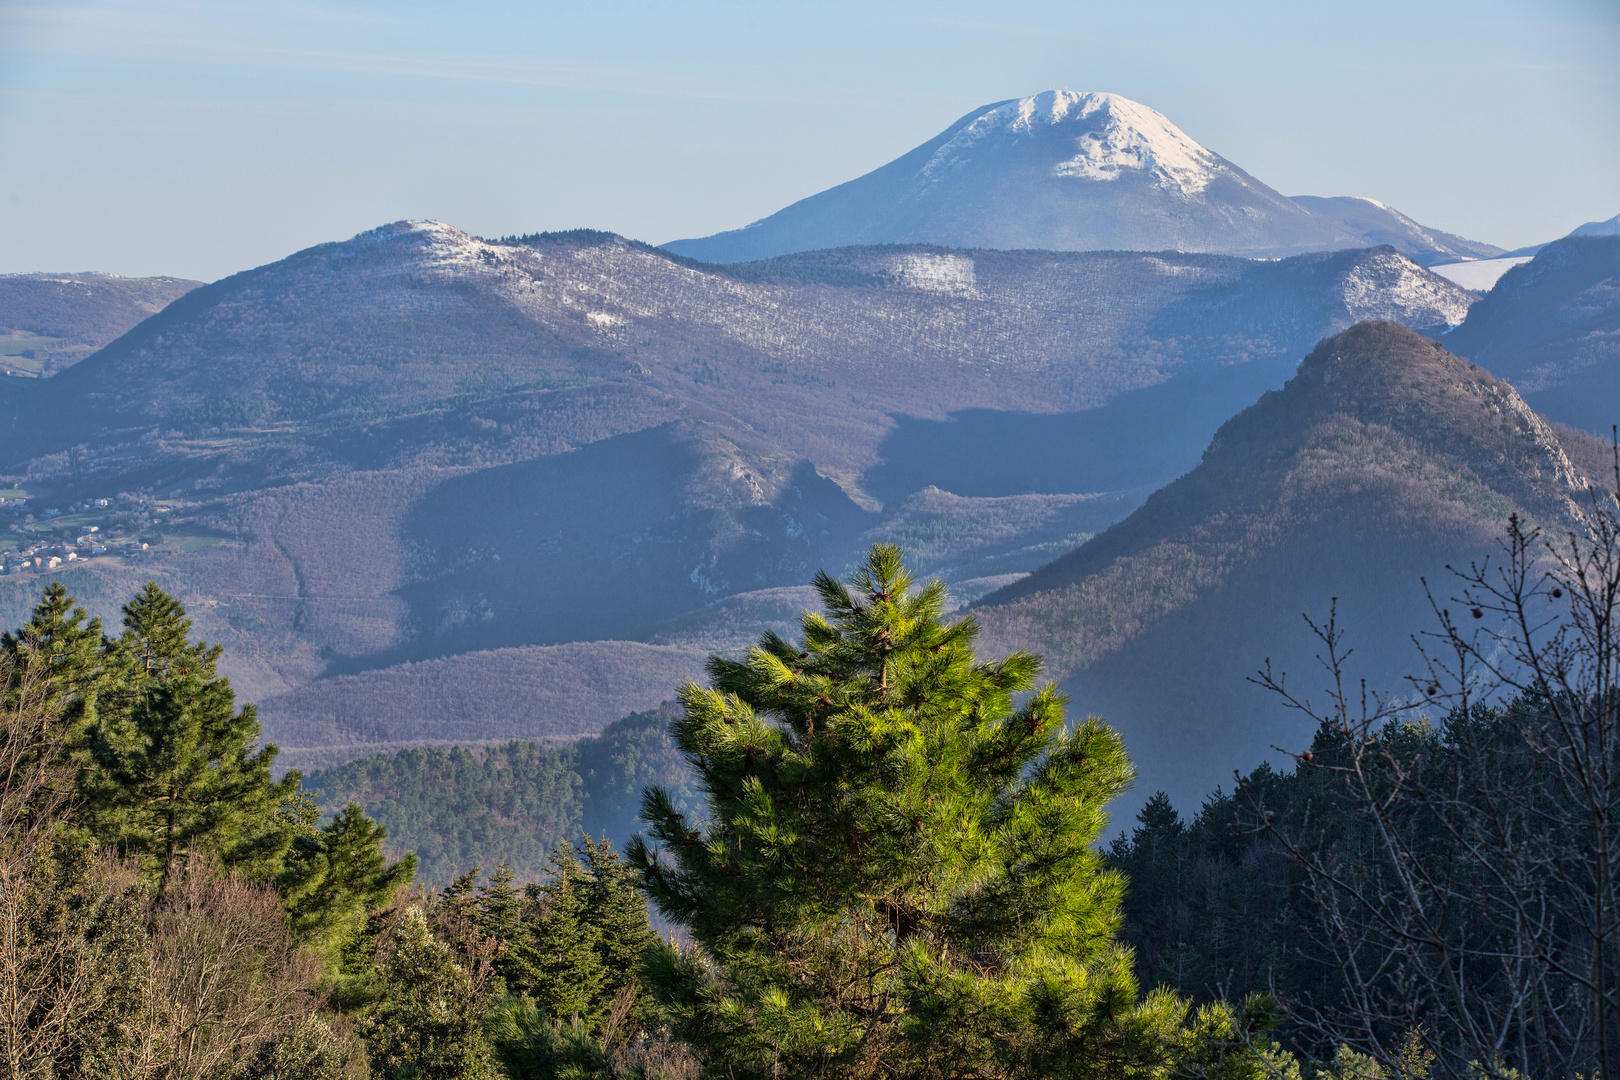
1382	461
1551	326
419	445
1069	170
49	322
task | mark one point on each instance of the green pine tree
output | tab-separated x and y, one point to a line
500	918
616	905
500	906
564	939
335	877
427	1025
175	769
1156	859
896	874
60	646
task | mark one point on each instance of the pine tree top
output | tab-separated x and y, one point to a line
884	809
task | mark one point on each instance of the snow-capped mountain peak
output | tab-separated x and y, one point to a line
1070	171
1112	136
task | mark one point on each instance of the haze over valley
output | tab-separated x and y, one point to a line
432	488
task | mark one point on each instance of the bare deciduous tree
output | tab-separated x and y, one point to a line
226	976
54	981
98	975
1463	861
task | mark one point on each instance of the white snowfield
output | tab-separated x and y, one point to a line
1130	137
1479	275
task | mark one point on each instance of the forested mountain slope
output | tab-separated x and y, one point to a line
463	807
421	445
1552	328
1381	461
51	321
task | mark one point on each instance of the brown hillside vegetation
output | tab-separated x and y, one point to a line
544	693
1382	460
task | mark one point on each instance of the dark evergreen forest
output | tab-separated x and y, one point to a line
459	808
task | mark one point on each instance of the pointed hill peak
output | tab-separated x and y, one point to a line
1067	170
1382	462
1355	396
1381	373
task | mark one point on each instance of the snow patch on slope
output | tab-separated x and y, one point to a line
1120	136
951	274
436	245
1394	288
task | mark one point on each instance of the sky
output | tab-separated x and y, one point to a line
204	137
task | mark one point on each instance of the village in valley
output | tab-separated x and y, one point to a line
39	538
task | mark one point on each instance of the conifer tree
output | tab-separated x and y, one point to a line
896	874
565	938
62	645
614	899
175	768
427	1026
500	906
336	876
499	918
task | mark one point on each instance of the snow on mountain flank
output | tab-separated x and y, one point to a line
1115	135
443	245
935	273
1393	287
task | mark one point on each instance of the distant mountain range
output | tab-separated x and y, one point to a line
1381	461
1552	328
1610	227
421	446
429	487
1074	171
51	321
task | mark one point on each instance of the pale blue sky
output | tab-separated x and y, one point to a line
200	138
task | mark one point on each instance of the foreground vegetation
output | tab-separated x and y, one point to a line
173	910
886	863
1440	861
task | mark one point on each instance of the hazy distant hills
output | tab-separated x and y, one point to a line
1382	460
816	352
1552	328
1608	227
1074	172
51	321
1369	222
417	445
